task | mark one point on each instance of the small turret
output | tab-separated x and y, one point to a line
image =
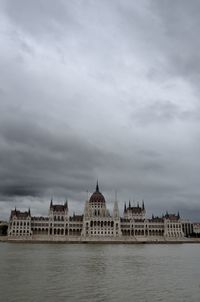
129	204
143	204
124	207
116	210
66	205
97	186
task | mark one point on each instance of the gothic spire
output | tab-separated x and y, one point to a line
116	210
66	204
143	204
97	186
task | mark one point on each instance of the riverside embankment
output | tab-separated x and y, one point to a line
71	240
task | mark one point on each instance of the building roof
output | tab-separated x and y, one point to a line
58	207
19	214
97	196
172	217
76	218
134	210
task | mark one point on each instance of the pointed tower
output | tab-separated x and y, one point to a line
116	218
116	210
86	210
125	207
66	205
97	186
143	204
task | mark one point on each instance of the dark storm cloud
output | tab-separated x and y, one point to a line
99	89
35	159
180	22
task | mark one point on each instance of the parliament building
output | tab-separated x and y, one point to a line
96	223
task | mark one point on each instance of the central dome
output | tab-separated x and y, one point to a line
97	197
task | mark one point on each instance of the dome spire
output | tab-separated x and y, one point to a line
97	186
97	196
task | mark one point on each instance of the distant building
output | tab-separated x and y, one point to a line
196	229
96	222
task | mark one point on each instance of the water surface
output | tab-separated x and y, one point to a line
99	272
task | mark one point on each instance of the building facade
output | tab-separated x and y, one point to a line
95	223
196	229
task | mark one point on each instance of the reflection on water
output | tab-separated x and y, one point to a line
99	272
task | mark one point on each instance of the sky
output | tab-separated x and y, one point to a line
105	90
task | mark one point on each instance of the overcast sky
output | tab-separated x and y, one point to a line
100	89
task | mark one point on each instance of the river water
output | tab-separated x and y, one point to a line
99	272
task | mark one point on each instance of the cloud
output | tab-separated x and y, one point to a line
162	112
181	41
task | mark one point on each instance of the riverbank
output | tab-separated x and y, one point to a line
75	240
